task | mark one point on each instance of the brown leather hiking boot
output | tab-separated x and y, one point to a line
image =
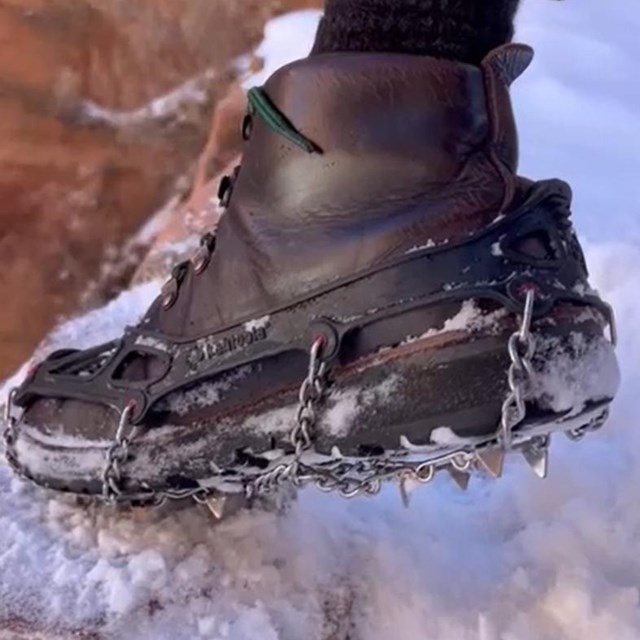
379	246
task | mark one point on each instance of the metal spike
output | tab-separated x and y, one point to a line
461	479
217	506
404	493
538	459
492	462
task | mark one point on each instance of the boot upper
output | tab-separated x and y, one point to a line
408	151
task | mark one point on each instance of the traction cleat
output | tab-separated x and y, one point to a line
460	478
537	456
385	296
492	462
405	494
217	506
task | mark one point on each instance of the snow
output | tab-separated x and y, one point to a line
206	394
179	248
469	318
343	407
97	327
430	244
570	382
193	91
158	221
104	325
579	107
256	325
518	559
287	38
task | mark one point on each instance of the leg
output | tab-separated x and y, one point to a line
463	30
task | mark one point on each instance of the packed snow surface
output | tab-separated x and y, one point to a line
512	560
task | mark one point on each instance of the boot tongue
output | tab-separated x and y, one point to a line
501	68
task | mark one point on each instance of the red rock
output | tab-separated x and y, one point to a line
74	189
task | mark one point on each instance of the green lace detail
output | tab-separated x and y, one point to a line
261	104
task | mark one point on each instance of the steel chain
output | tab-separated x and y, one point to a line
576	435
117	456
310	396
10	435
521	348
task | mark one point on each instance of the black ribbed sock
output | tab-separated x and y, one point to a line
463	30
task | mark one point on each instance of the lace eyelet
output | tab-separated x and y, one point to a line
247	127
169	293
202	256
224	191
227	184
201	260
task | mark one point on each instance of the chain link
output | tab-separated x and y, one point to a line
10	435
117	456
520	374
576	435
310	397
